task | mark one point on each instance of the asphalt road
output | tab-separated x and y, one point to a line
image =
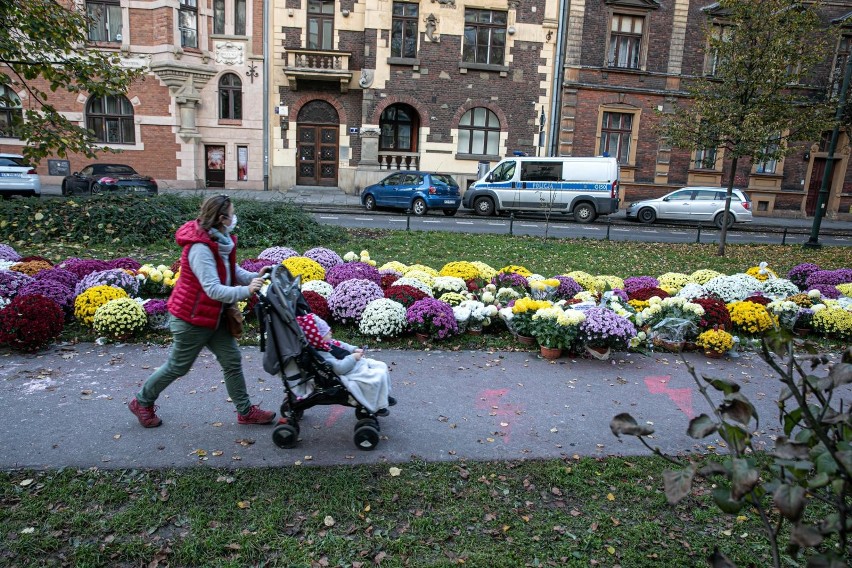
67	407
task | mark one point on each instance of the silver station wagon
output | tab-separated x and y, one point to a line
694	204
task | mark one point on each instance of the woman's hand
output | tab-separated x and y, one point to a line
264	271
255	285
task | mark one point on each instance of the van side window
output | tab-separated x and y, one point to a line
504	172
541	171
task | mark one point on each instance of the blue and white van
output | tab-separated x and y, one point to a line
586	187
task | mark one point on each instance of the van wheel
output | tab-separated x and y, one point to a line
419	207
647	215
584	213
719	220
483	206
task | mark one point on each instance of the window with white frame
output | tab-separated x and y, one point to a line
188	23
705	159
712	59
840	58
484	36
479	132
625	41
110	118
616	135
769	165
404	30
104	20
11	112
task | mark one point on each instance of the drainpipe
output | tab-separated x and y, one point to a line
558	73
266	94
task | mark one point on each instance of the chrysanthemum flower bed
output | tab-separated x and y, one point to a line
385	298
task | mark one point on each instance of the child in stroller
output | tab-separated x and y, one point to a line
308	379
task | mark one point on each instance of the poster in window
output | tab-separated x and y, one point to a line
215	157
242	163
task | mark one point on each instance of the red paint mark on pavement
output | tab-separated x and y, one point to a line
659	384
489	400
336	412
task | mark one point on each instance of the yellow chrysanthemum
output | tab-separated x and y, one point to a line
833	321
485	271
394	265
717	340
525	305
120	318
584	279
421	268
703	275
672	282
423	276
762	273
87	303
751	318
516	269
613	282
305	267
460	269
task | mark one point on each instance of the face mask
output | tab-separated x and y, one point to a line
233	224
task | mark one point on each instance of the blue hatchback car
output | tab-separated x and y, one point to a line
415	190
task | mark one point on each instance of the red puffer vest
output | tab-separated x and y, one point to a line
188	300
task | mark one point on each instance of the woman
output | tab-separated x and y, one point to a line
209	280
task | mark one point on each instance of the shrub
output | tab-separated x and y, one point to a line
716	314
120	318
383	318
82	267
833	321
798	275
31	267
125	262
30	323
8	253
432	317
460	269
826	290
318	304
388	280
255	264
113	277
645	294
351	297
326	258
157	312
321	287
751	318
56	291
634	283
11	282
351	271
277	254
305	267
405	294
87	303
64	277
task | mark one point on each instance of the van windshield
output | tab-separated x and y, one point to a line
504	172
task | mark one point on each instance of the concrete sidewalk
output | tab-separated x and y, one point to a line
67	407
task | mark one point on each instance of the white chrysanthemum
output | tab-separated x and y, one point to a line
350	257
534	277
383	317
445	284
414	282
779	288
321	287
692	291
734	288
506	294
394	265
421	275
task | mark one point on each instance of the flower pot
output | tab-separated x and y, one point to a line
474	331
690	346
599	353
526	340
550	353
672	346
713	354
422	337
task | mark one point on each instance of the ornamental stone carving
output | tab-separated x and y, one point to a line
229	53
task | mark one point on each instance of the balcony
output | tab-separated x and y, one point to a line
310	65
393	160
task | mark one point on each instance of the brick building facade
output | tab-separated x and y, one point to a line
626	62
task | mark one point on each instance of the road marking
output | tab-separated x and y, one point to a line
503	413
527	225
363	218
498	224
591	228
678	232
328	217
622	230
649	231
464	222
761	236
431	221
396	220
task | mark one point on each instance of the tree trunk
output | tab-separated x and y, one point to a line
724	234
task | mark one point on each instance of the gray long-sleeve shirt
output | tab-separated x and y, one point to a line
203	265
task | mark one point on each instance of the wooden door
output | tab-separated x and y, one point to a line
317	154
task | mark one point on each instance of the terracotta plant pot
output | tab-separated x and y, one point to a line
550	353
526	340
422	337
713	354
474	331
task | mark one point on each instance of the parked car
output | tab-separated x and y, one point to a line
694	204
97	178
415	190
17	177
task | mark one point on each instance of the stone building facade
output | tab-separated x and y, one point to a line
194	120
626	62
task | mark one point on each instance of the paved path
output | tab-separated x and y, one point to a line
66	407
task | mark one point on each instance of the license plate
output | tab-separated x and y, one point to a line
449	202
140	189
11	175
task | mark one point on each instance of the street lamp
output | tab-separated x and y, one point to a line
822	199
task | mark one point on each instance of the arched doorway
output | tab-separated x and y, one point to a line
317	144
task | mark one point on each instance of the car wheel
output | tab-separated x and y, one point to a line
584	213
719	220
64	189
483	206
95	188
419	207
647	215
370	203
450	212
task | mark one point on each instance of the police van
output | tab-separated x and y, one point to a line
586	187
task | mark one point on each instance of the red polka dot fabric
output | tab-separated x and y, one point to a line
312	333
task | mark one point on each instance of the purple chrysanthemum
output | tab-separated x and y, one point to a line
124	262
326	258
503	279
112	277
83	267
64	277
277	254
621	294
826	291
255	264
798	275
605	328
351	271
830	277
11	283
568	288
350	298
52	289
634	283
8	253
433	317
155	307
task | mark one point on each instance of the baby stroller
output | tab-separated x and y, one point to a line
308	380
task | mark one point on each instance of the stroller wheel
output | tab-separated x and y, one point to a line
285	436
366	437
368	422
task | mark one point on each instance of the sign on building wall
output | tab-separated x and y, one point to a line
242	163
58	168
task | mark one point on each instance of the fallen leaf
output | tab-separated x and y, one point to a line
28	530
243	504
394	471
610	497
328	521
26	482
216	424
217	453
610	549
116	437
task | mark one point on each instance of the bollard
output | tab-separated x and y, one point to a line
608	225
512	223
784	238
698	238
408	219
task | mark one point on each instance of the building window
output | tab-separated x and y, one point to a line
110	118
321	24
625	41
712	59
11	112
104	20
230	97
769	165
479	132
218	16
398	125
616	134
188	23
705	159
484	37
404	30
240	17
843	49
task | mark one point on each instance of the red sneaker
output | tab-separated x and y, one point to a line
146	414
256	416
